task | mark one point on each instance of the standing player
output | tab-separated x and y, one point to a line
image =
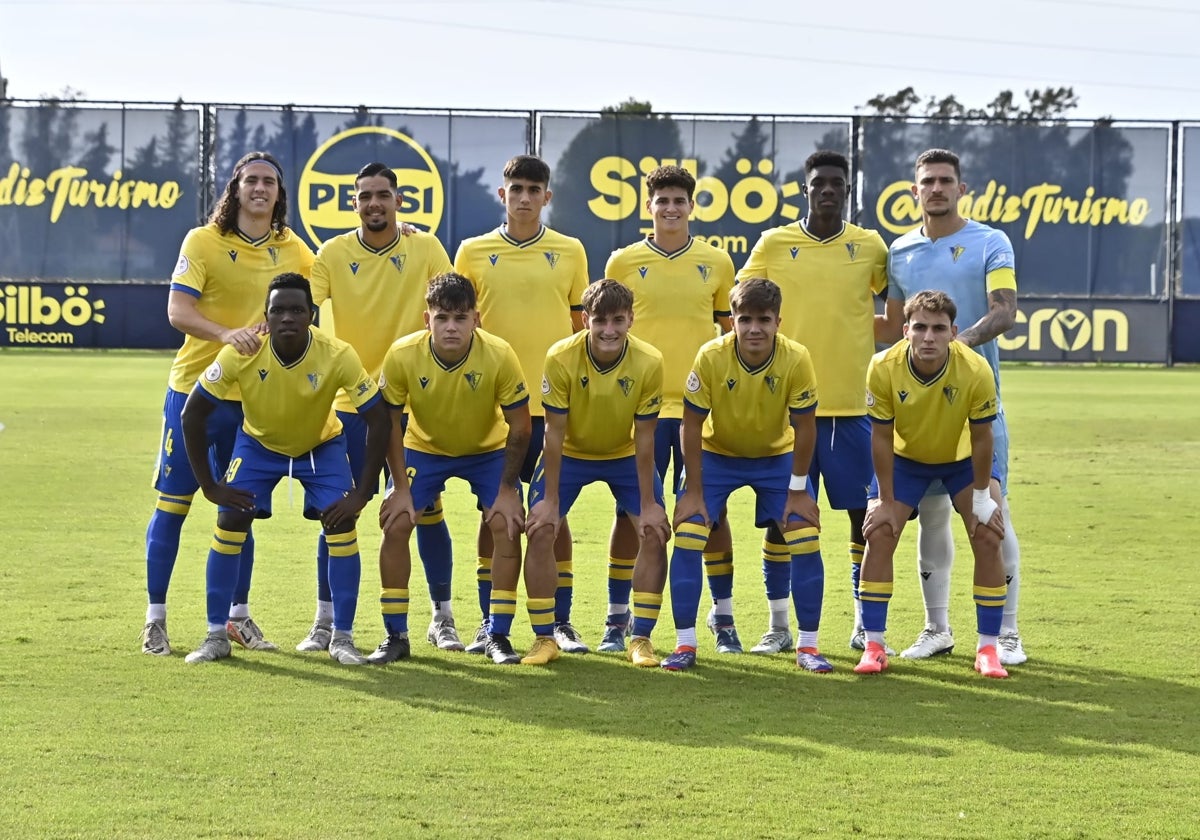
602	390
932	403
680	287
377	279
829	272
749	422
216	299
974	264
530	281
468	418
288	388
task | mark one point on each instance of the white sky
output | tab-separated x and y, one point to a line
1124	59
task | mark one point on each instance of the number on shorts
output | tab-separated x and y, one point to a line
233	468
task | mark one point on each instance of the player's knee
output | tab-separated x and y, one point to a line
234	520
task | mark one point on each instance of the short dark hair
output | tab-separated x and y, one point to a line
450	292
827	157
931	300
607	297
757	294
527	168
291	280
377	168
939	156
671	176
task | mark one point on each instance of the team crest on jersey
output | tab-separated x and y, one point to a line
398	261
704	270
181	267
729	383
473	378
545	385
794	251
354	268
870	400
956	251
552	257
771	381
852	250
424	380
213	373
274	252
903	395
232	255
262	374
583	382
951	394
626	384
693	382
314	379
641	271
493	258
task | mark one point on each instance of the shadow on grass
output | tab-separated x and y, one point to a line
763	703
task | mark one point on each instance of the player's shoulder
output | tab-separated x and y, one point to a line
338	243
714	347
894	355
406	343
481	242
970	359
558	239
993	238
639	347
329	343
568	346
910	239
788	349
631	253
702	250
492	343
780	235
206	234
866	236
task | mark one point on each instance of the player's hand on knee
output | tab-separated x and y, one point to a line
800	504
880	515
543	515
689	506
222	495
653	523
396	505
508	506
342	512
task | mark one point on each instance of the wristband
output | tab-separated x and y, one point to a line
983	505
798	482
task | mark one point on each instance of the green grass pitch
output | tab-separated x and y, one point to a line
1097	736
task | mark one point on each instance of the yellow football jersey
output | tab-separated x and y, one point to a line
526	290
749	411
454	410
931	417
675	299
601	405
377	295
228	275
287	407
828	290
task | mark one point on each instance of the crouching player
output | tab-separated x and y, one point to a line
749	421
288	387
468	418
602	390
932	401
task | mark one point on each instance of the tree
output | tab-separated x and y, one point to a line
1044	105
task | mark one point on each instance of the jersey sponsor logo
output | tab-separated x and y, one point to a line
493	258
363	387
520	388
626	385
182	266
545	385
232	255
354	268
705	271
262	374
398	261
956	251
424	380
325	197
314	379
654	402
903	395
771	381
473	378
552	257
951	394
852	249
805	396
1070	330
213	372
729	383
693	382
642	271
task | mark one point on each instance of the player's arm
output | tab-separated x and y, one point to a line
546	511
1002	306
987	510
185	316
200	404
691	437
883	458
804	427
379	429
516	444
889	327
653	516
398	501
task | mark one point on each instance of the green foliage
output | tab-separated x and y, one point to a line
1045	105
1095	737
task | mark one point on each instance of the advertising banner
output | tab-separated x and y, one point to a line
113	315
96	193
449	164
1189	199
1086	207
748	174
1088	330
